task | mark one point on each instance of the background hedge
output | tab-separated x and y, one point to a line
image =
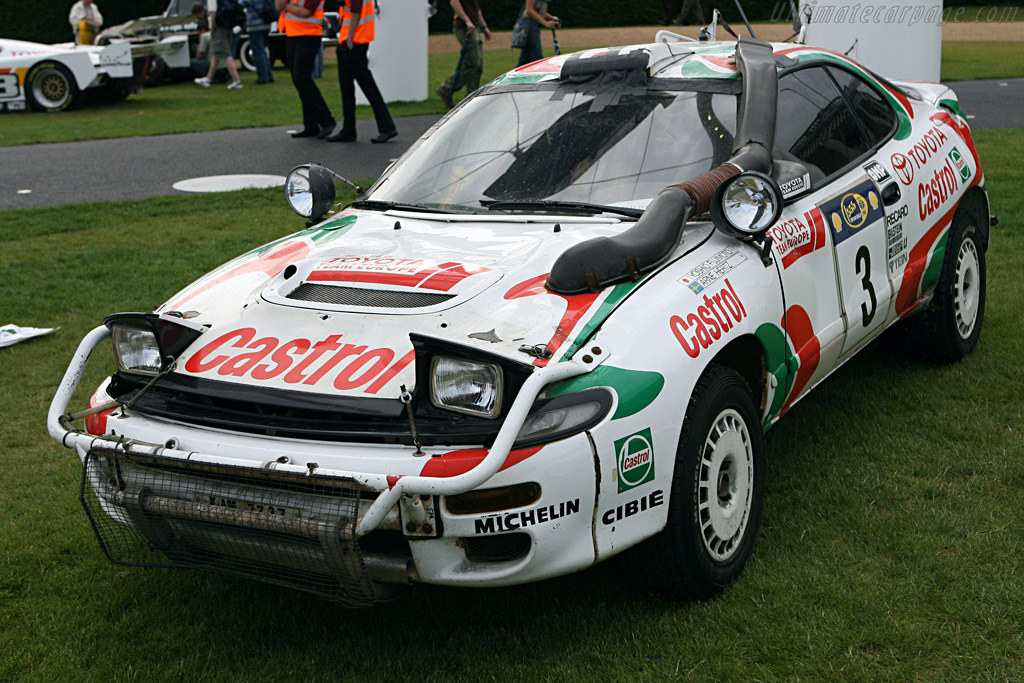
46	21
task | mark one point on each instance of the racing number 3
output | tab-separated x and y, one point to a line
8	86
863	255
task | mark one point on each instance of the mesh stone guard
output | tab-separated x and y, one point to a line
290	530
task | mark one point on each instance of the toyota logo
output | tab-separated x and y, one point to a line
903	168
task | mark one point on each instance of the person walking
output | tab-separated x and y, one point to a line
535	13
85	21
689	7
468	25
354	38
221	28
303	28
258	30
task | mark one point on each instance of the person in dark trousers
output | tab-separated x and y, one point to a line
303	28
536	14
258	31
354	38
470	30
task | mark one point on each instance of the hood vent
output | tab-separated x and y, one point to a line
369	298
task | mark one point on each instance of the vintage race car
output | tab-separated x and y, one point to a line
56	77
556	329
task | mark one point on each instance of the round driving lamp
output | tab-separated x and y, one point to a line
746	205
310	191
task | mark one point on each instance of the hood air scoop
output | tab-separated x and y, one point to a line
378	283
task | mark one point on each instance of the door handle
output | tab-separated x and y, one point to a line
891	194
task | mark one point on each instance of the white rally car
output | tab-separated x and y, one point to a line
55	77
556	329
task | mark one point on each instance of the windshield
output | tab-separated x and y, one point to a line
531	145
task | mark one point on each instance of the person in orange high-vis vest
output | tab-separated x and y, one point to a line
358	18
304	28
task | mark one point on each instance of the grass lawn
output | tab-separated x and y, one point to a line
185	107
891	546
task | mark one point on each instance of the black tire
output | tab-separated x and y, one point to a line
717	488
50	87
951	326
245	56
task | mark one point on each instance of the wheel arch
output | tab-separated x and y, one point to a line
976	199
746	355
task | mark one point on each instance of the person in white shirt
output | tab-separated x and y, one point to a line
85	21
220	50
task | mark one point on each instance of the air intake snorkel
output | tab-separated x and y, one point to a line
597	263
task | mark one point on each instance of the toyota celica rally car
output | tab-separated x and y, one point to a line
556	329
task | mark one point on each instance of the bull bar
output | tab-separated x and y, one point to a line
390	488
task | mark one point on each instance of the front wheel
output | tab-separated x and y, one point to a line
717	492
951	326
50	87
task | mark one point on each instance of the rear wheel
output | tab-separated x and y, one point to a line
245	55
951	326
717	492
49	87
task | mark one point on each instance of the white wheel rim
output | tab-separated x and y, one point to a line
967	288
726	485
51	88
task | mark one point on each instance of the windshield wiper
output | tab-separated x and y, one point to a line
381	205
559	205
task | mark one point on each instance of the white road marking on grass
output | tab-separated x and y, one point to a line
228	183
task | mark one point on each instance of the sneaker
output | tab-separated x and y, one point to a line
237	85
204	81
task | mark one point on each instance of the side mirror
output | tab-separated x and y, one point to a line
746	205
310	191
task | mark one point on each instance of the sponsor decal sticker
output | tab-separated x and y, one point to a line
795	186
710	322
387	270
852	209
876	172
713	269
513	521
903	167
634	456
633	507
917	156
239	353
934	192
794	238
960	165
895	240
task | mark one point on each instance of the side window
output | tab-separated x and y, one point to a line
871	108
815	125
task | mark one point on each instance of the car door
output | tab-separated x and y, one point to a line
830	242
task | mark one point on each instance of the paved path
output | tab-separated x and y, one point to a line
134	168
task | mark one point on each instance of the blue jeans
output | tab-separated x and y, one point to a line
531	50
258	42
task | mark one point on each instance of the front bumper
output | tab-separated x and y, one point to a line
231	503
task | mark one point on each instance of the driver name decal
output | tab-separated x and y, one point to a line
710	322
299	362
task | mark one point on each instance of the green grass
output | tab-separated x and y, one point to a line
891	546
186	108
976	59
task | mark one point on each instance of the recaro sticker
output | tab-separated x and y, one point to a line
634	456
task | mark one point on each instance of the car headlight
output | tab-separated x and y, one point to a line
146	343
137	350
564	416
466	386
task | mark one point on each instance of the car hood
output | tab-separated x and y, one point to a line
330	309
